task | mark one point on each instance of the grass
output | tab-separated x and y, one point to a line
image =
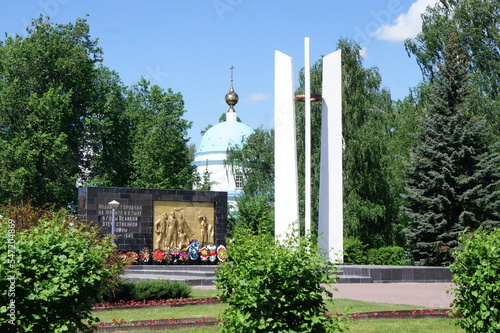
215	310
365	326
340	306
441	325
195	311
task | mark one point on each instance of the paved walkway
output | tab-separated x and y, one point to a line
431	295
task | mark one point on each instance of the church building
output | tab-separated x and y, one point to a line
211	153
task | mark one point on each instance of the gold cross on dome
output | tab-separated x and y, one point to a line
231	68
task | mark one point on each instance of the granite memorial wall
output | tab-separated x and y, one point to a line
139	209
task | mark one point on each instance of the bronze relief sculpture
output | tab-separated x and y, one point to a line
177	224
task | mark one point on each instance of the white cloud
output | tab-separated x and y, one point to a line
407	25
258	97
363	52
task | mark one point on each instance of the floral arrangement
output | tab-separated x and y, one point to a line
222	254
175	255
167	259
212	252
194	250
183	256
209	253
129	257
144	256
204	253
158	255
132	255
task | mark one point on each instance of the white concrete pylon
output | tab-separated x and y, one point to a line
286	196
330	221
307	136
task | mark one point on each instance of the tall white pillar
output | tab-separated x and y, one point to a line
286	197
330	223
307	136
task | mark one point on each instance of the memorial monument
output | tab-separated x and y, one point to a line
330	222
157	219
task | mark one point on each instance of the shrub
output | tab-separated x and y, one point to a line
26	215
52	273
275	287
148	290
354	251
253	212
475	275
389	255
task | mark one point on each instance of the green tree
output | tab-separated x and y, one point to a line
370	213
107	149
203	182
280	292
160	157
475	279
476	23
46	88
53	277
453	177
254	159
404	126
254	213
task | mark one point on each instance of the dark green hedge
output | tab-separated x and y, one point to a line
389	255
148	290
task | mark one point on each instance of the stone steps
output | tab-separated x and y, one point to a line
200	275
204	275
354	279
195	275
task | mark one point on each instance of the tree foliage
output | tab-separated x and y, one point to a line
453	177
107	142
404	125
202	182
475	278
476	23
255	160
65	121
370	213
52	273
160	153
254	213
280	292
46	87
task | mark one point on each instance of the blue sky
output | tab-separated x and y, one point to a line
189	46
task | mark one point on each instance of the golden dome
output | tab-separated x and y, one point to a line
231	96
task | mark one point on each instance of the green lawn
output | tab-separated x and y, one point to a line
214	310
366	326
340	306
205	310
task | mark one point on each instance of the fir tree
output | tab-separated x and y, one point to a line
453	178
